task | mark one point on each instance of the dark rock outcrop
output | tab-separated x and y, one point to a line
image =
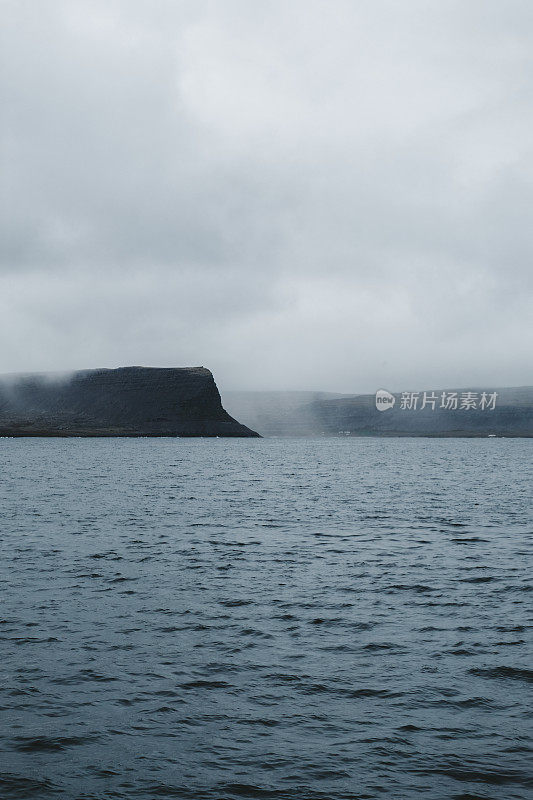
129	401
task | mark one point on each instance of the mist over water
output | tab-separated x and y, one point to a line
326	619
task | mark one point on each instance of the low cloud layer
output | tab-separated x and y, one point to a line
298	194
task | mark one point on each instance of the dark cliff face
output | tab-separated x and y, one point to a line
129	401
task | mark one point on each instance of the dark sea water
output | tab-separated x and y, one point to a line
334	619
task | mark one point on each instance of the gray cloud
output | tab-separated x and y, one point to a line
320	194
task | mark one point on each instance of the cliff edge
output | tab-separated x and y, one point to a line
129	401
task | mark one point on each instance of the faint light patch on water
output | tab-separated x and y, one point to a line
318	619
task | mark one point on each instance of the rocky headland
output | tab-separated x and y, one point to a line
129	401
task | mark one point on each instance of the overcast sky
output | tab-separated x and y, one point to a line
304	194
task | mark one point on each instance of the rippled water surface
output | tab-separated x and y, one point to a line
341	618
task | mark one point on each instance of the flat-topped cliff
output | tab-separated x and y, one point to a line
129	401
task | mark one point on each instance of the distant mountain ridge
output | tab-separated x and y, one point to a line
322	413
128	401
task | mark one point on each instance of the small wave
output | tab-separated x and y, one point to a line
285	678
200	684
18	787
19	640
247	790
510	628
504	672
235	603
470	540
83	675
488	776
418	588
480	703
364	691
36	744
111	555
